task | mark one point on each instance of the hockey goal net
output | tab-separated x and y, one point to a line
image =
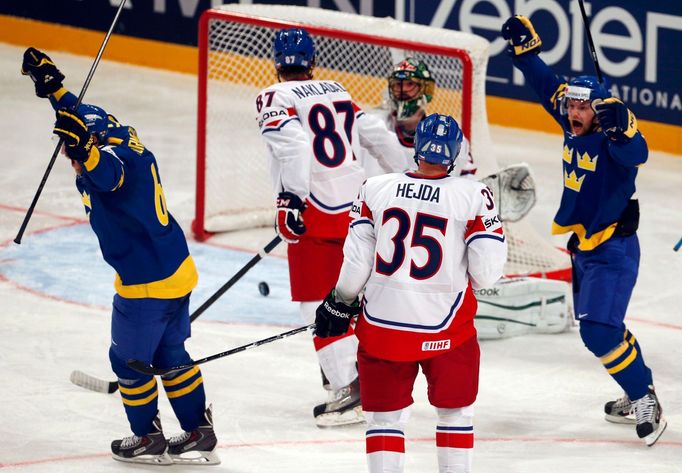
235	63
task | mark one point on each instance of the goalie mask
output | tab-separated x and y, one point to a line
438	140
293	47
410	88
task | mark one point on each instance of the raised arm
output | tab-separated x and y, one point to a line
524	47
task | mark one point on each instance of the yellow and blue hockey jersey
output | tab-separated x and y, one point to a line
598	173
123	198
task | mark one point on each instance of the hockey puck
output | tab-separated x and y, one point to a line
263	288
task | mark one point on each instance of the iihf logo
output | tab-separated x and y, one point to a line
436	345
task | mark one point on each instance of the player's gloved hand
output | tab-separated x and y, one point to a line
40	68
523	39
615	118
80	143
289	222
332	318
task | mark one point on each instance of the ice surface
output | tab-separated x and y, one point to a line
540	403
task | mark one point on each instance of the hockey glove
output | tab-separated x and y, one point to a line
40	68
617	121
289	223
523	39
80	143
332	318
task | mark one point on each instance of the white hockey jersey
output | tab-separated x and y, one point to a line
464	163
418	245
314	132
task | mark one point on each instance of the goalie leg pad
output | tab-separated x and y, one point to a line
518	306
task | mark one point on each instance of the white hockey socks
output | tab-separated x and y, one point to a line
337	355
385	440
337	360
455	439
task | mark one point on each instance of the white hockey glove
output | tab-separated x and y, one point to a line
514	191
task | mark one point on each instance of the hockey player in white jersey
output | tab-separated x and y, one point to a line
411	88
314	132
419	244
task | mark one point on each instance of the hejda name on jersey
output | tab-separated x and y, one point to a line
321	88
422	192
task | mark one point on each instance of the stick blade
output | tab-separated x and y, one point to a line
144	368
93	383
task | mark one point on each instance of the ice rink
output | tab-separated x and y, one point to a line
541	397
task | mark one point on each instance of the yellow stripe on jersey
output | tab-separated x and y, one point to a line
93	160
120	181
177	285
585	244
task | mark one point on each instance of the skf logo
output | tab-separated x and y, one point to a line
436	345
489	222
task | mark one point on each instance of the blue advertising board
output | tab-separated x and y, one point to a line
637	42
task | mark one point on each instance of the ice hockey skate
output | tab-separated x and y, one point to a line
620	411
151	449
342	408
196	447
650	421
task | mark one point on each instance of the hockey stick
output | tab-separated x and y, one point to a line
144	368
678	245
43	181
252	262
593	51
93	383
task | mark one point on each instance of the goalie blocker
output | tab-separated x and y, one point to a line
520	306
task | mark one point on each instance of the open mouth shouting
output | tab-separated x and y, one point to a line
578	127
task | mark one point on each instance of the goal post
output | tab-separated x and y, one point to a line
233	185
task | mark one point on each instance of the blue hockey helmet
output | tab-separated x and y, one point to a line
96	119
586	88
293	47
438	140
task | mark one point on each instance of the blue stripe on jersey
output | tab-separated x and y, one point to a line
499	238
327	207
445	321
360	222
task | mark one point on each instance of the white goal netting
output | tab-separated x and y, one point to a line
235	48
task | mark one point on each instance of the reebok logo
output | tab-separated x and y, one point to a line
336	312
487	292
436	345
